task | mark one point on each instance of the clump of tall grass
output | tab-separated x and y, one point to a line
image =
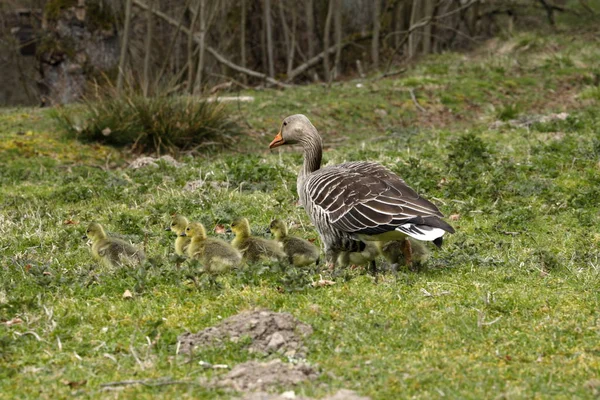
158	124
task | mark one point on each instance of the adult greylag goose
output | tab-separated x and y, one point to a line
356	201
112	251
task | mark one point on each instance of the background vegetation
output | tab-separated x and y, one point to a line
508	308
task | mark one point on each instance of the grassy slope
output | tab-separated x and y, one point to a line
508	308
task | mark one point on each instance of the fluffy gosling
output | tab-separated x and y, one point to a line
215	254
300	252
254	248
407	252
364	257
178	225
112	251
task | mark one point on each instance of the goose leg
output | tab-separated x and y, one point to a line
407	251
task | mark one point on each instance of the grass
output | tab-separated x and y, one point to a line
507	309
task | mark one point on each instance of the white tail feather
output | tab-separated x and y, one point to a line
421	232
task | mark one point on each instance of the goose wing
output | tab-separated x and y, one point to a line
367	198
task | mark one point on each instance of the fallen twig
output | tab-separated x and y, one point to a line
414	99
147	383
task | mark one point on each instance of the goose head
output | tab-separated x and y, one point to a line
241	227
278	228
295	129
95	232
195	230
178	224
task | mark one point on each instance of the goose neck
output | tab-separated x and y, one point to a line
313	152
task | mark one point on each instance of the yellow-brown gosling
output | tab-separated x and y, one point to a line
215	254
407	252
300	252
178	225
254	248
112	251
364	257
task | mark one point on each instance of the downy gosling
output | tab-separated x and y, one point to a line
112	251
254	248
215	254
300	252
408	252
178	225
364	257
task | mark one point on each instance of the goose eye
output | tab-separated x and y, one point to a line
284	123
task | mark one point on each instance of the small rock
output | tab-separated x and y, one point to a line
381	112
127	294
276	342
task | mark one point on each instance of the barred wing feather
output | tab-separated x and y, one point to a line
367	198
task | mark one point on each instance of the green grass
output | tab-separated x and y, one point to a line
508	308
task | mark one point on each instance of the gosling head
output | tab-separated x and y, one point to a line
278	228
295	129
241	227
195	230
95	232
178	224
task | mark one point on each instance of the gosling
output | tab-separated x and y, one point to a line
407	252
254	248
300	252
178	225
215	254
364	257
112	251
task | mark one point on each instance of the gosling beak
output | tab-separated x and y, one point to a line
228	230
183	234
278	141
168	228
84	237
268	230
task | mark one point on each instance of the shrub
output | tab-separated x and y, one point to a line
150	124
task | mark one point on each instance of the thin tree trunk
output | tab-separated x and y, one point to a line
190	49
148	47
201	44
269	37
310	27
412	36
428	11
337	30
124	45
326	40
243	39
292	51
376	31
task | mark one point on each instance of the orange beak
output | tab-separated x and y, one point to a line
278	141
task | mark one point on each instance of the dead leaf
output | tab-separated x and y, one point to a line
454	217
27	267
70	222
14	321
75	384
323	282
106	131
127	294
47	273
220	229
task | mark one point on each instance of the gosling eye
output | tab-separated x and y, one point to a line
187	229
173	224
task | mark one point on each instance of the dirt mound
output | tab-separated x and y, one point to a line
269	332
255	375
342	394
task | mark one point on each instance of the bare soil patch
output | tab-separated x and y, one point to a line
268	331
256	375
